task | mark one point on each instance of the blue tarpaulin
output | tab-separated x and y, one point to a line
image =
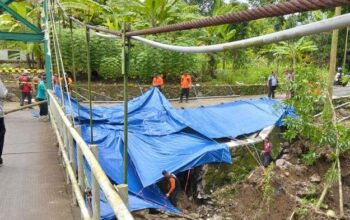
235	118
164	138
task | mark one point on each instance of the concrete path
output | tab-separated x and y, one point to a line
32	181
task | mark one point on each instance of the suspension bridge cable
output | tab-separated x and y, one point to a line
280	9
75	83
308	29
56	58
55	38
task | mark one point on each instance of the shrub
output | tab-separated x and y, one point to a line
110	68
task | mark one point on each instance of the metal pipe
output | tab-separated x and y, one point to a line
116	203
125	74
76	190
308	29
87	31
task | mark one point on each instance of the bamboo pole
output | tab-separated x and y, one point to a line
328	108
24	107
345	48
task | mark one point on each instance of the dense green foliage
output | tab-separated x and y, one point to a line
110	68
235	67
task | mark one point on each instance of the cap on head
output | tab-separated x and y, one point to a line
339	68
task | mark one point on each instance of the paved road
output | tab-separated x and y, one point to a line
338	92
32	183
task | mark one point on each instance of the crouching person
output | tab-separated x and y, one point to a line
173	187
267	158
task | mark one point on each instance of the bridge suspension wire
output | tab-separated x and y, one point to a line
60	59
308	29
75	83
280	9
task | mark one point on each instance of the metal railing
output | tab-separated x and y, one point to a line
67	134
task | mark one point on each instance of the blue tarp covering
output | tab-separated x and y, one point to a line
235	118
159	140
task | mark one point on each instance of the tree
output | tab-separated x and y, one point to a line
294	50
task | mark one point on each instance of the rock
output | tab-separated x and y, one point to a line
286	156
300	170
343	112
286	144
283	164
286	174
280	162
315	178
230	174
285	150
331	213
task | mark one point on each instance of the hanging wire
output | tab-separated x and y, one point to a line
75	83
56	56
55	38
87	31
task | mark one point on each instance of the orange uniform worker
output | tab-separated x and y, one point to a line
158	81
186	83
173	186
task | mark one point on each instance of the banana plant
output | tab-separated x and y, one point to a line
294	50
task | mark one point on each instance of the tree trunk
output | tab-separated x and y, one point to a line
224	61
211	66
333	63
345	48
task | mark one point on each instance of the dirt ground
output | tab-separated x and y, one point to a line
294	191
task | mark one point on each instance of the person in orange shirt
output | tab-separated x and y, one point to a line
186	84
173	186
158	81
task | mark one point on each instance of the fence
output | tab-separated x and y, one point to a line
68	134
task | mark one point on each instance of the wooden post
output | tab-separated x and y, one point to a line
81	173
122	190
71	156
95	191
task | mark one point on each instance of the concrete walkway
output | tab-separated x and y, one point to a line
32	181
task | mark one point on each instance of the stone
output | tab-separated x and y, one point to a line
343	112
283	164
285	150
286	144
300	170
287	174
331	213
315	178
286	156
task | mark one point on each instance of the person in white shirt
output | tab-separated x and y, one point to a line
3	94
272	83
338	76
